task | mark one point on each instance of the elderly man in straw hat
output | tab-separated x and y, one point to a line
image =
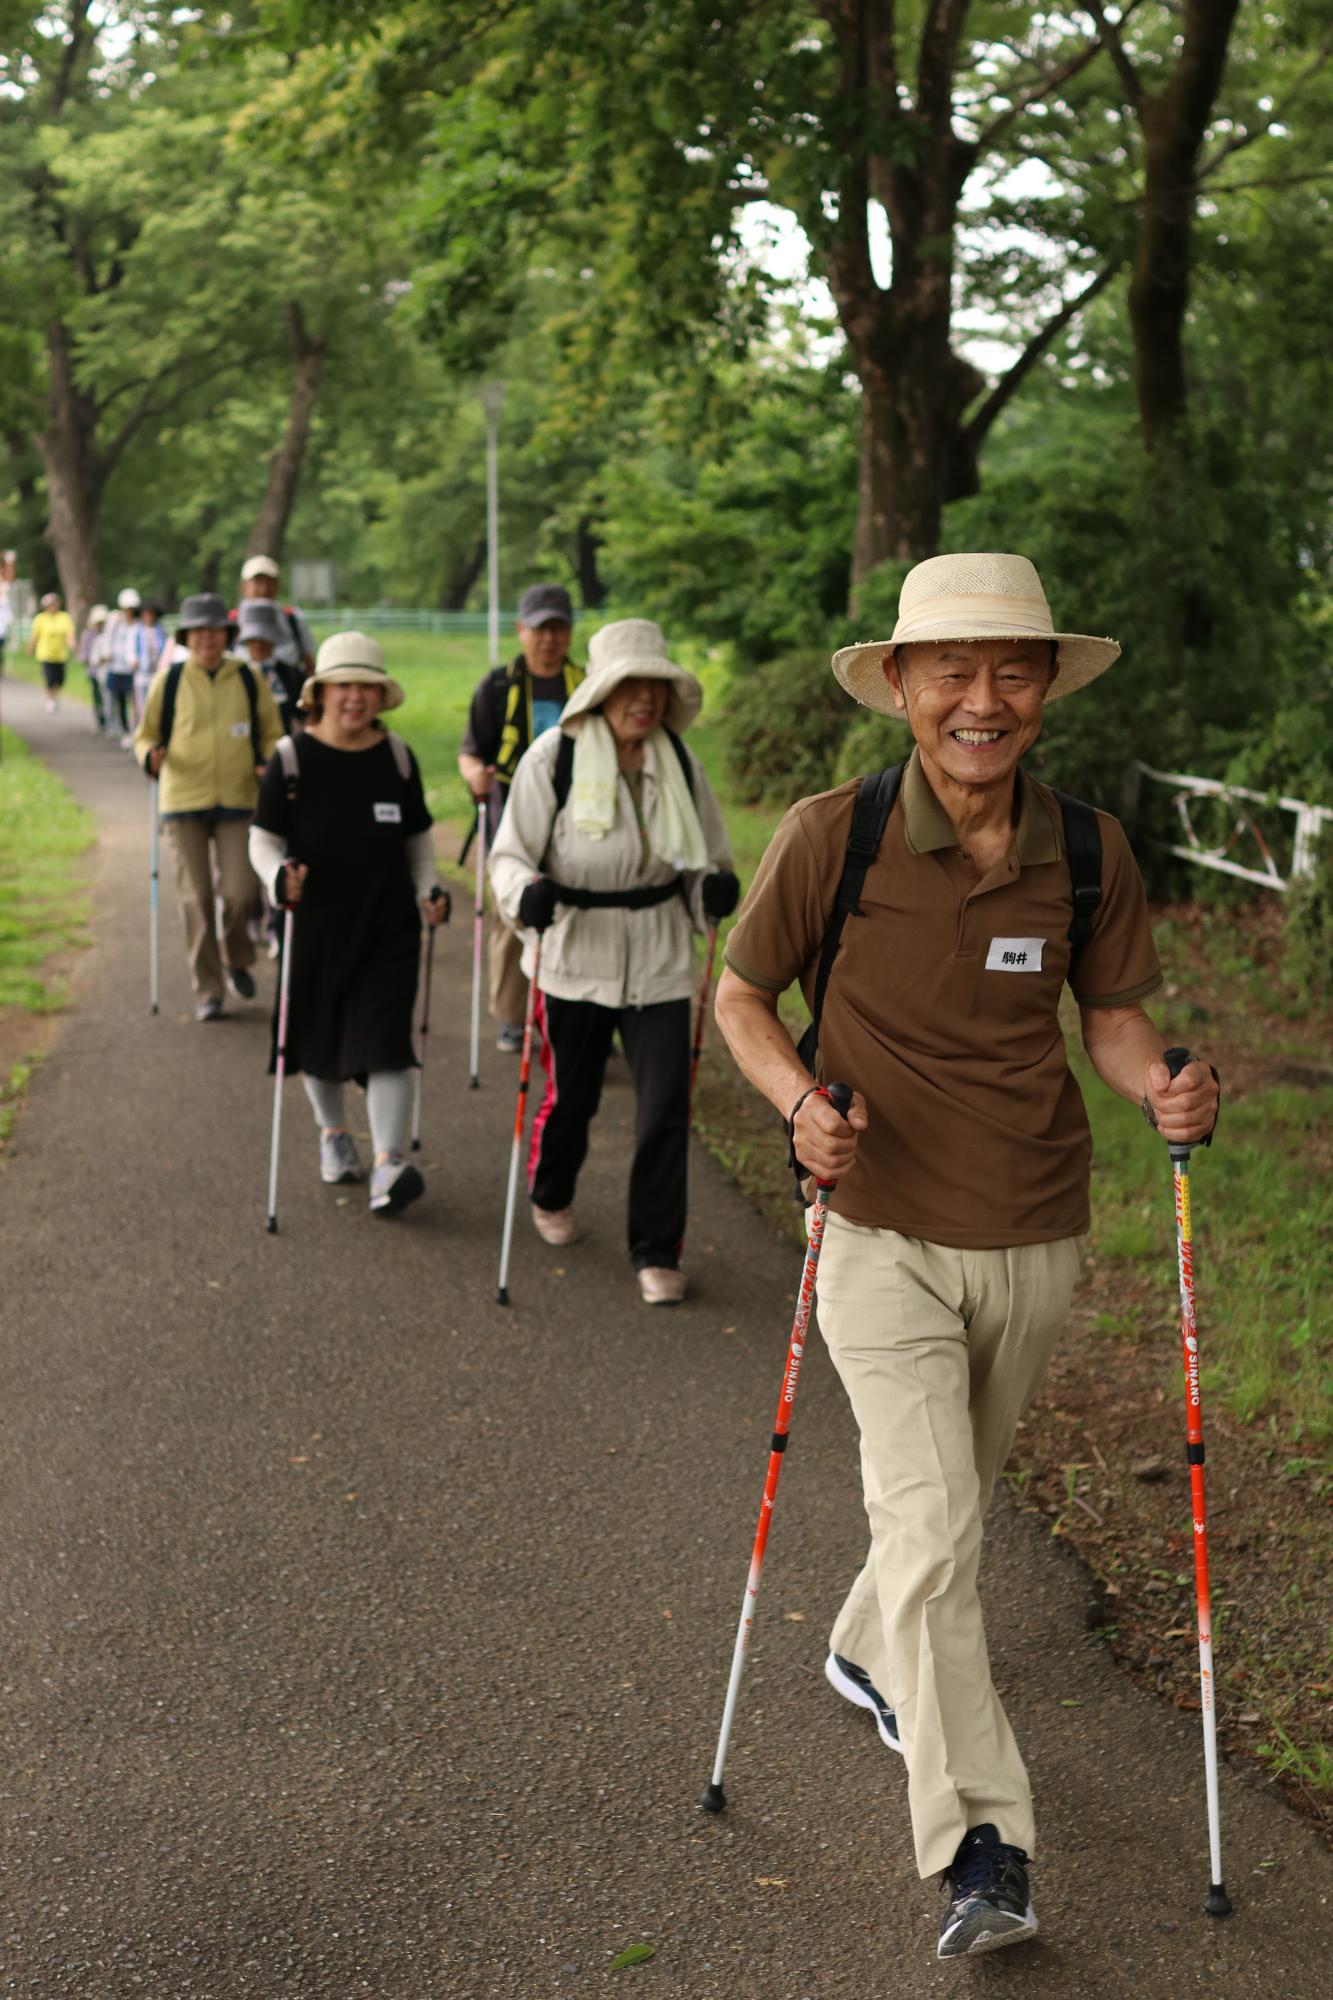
963	1168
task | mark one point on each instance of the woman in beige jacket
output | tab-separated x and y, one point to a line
612	850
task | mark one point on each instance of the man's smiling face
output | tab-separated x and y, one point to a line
975	706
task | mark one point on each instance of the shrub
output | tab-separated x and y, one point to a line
783	726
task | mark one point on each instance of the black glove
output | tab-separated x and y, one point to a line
721	893
537	905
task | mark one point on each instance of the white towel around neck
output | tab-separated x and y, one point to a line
675	834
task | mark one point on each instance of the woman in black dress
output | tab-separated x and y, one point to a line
342	819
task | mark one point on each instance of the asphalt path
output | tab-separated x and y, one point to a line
362	1637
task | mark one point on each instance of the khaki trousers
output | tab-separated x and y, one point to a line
508	995
213	863
940	1352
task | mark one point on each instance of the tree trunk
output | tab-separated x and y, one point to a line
592	590
75	477
459	579
1174	122
284	469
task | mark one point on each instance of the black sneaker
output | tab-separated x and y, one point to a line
241	982
988	1897
855	1685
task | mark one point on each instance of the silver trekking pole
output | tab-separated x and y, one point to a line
478	933
280	1066
436	895
153	877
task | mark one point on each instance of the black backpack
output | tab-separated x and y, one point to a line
169	706
870	816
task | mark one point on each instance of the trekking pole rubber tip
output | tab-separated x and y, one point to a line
713	1800
1218	1903
475	1083
153	1008
416	1145
502	1296
272	1225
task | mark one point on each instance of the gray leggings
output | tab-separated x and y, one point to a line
388	1100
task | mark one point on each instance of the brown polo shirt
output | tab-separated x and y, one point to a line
942	1007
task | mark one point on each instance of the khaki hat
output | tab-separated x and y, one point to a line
633	649
258	566
972	597
350	656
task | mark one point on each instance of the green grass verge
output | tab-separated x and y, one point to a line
43	901
1263	1228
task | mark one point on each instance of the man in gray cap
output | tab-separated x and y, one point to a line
511	707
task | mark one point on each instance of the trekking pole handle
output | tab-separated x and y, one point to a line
290	862
1176	1060
840	1097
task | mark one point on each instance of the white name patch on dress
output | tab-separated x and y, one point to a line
240	729
1015	955
389	815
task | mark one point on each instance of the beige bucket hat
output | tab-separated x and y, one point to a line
350	656
633	648
972	597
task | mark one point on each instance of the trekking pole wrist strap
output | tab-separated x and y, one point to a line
799	1169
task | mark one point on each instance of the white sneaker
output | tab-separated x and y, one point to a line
661	1285
555	1225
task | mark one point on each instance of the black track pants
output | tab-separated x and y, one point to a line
576	1040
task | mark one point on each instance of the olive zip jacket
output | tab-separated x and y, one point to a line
210	763
613	957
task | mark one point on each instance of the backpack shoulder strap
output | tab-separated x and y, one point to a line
870	816
252	696
1083	852
402	756
683	758
562	775
169	693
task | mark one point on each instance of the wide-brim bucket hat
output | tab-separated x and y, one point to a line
971	597
205	610
347	657
633	649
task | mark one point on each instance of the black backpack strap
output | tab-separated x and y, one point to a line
252	696
562	777
870	816
683	759
168	721
1083	852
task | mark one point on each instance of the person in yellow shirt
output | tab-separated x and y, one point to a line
51	642
207	730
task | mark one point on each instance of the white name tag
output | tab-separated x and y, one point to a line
240	729
1015	955
389	815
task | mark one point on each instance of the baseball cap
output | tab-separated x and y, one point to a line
258	566
545	604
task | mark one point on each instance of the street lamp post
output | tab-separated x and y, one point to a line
492	396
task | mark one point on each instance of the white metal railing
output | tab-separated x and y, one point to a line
1311	821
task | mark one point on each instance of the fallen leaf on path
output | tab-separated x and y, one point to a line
633	1954
304	1459
794	1617
771	1881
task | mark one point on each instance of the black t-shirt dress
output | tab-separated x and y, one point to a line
356	933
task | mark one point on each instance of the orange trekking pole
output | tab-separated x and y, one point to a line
1217	1903
520	1115
714	1799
